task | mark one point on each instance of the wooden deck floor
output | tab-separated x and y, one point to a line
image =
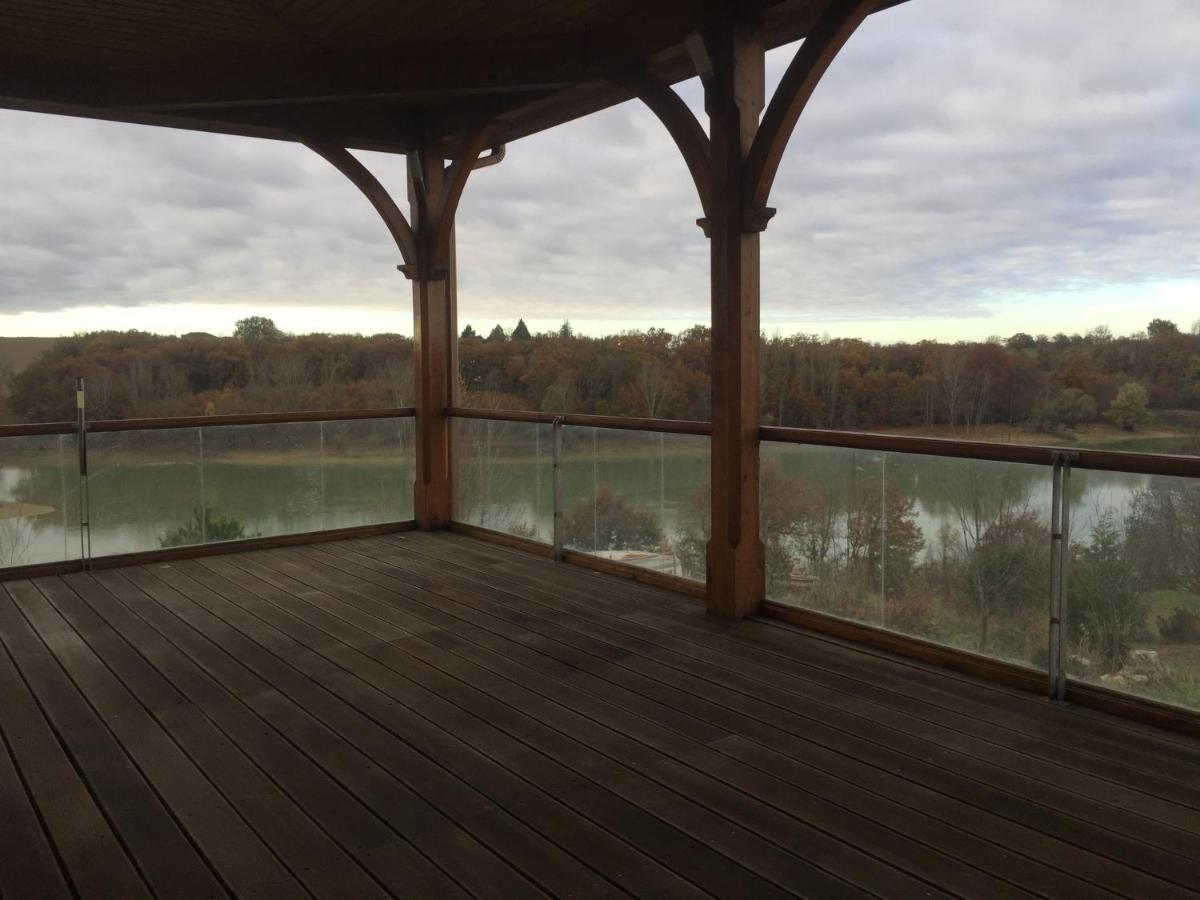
432	716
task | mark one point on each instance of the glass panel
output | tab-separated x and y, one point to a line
1133	587
177	487
951	550
506	477
144	489
367	467
639	498
262	480
39	499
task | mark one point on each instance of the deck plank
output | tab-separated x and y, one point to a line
379	849
954	775
735	805
431	715
97	806
518	664
244	859
619	689
783	652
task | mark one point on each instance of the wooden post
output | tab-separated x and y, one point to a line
734	95
427	248
435	345
734	166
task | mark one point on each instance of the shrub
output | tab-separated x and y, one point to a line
1181	627
204	528
609	523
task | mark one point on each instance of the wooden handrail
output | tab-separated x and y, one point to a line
620	423
281	418
1032	454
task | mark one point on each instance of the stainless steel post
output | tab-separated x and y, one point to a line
1053	656
1064	566
85	512
558	493
1060	536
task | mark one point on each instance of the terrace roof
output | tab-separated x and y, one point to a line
363	74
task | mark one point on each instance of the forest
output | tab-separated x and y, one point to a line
1040	383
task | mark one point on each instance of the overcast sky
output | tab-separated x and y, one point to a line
965	169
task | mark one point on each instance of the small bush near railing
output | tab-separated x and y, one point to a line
609	523
205	528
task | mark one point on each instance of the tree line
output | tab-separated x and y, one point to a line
1041	382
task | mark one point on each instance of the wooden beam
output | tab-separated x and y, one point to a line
734	98
837	23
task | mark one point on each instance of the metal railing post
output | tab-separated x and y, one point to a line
203	488
558	494
1060	519
85	510
1054	656
1064	566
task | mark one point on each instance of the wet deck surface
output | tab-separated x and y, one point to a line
433	716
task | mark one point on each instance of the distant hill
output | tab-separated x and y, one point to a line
16	353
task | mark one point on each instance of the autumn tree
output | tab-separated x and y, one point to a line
1129	408
997	547
1162	328
882	534
1163	535
1106	615
256	328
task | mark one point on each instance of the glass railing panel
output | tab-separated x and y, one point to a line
638	498
367	472
145	490
262	480
505	477
955	551
39	500
1132	617
165	488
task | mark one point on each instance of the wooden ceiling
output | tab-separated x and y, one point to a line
366	74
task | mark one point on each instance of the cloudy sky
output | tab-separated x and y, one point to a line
965	169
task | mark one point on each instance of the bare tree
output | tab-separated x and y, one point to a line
951	373
652	380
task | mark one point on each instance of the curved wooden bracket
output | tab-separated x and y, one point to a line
346	163
425	250
447	202
823	43
684	128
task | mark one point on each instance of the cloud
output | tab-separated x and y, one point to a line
957	154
